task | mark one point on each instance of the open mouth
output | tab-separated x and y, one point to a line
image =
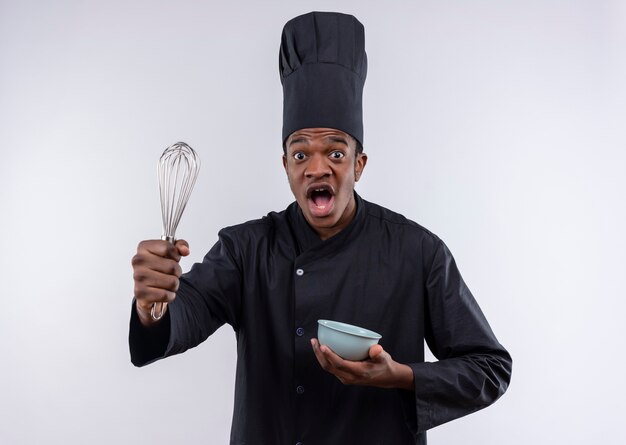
320	199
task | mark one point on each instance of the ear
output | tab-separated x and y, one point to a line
359	166
285	163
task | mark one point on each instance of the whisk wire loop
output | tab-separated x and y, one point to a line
177	170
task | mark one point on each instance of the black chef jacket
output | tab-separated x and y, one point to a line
271	279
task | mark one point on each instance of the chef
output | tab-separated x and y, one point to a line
329	255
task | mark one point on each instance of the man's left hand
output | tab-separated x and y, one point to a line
378	370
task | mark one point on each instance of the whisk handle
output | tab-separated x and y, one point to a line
155	313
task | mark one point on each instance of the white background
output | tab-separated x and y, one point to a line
499	125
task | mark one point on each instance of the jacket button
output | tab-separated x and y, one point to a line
300	389
299	332
299	272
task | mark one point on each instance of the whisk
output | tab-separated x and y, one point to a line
178	169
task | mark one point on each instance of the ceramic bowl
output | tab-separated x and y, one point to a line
347	341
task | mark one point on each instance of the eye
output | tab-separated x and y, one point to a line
299	156
337	155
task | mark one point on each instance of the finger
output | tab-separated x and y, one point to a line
324	356
336	363
318	353
160	248
150	278
162	295
347	371
153	295
329	361
330	355
183	247
148	295
145	263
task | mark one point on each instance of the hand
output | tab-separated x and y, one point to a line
378	370
156	272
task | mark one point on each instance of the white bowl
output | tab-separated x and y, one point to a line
347	341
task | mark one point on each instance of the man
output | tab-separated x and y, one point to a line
329	255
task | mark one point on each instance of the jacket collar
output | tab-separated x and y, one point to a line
307	237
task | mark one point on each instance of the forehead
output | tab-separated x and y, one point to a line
319	135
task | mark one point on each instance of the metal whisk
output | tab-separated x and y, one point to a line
178	169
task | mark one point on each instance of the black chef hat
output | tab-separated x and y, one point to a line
323	66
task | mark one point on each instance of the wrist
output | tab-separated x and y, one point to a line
404	378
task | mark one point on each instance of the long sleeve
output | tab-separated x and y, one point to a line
208	297
474	369
147	344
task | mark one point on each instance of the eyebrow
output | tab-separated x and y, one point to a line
337	139
298	139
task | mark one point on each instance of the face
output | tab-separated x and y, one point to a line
322	167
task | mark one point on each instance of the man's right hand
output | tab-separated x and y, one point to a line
156	272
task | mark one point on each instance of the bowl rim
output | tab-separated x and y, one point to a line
341	327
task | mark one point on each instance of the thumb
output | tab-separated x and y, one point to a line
183	247
376	352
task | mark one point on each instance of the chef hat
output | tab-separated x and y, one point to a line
323	66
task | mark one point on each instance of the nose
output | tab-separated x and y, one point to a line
317	167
